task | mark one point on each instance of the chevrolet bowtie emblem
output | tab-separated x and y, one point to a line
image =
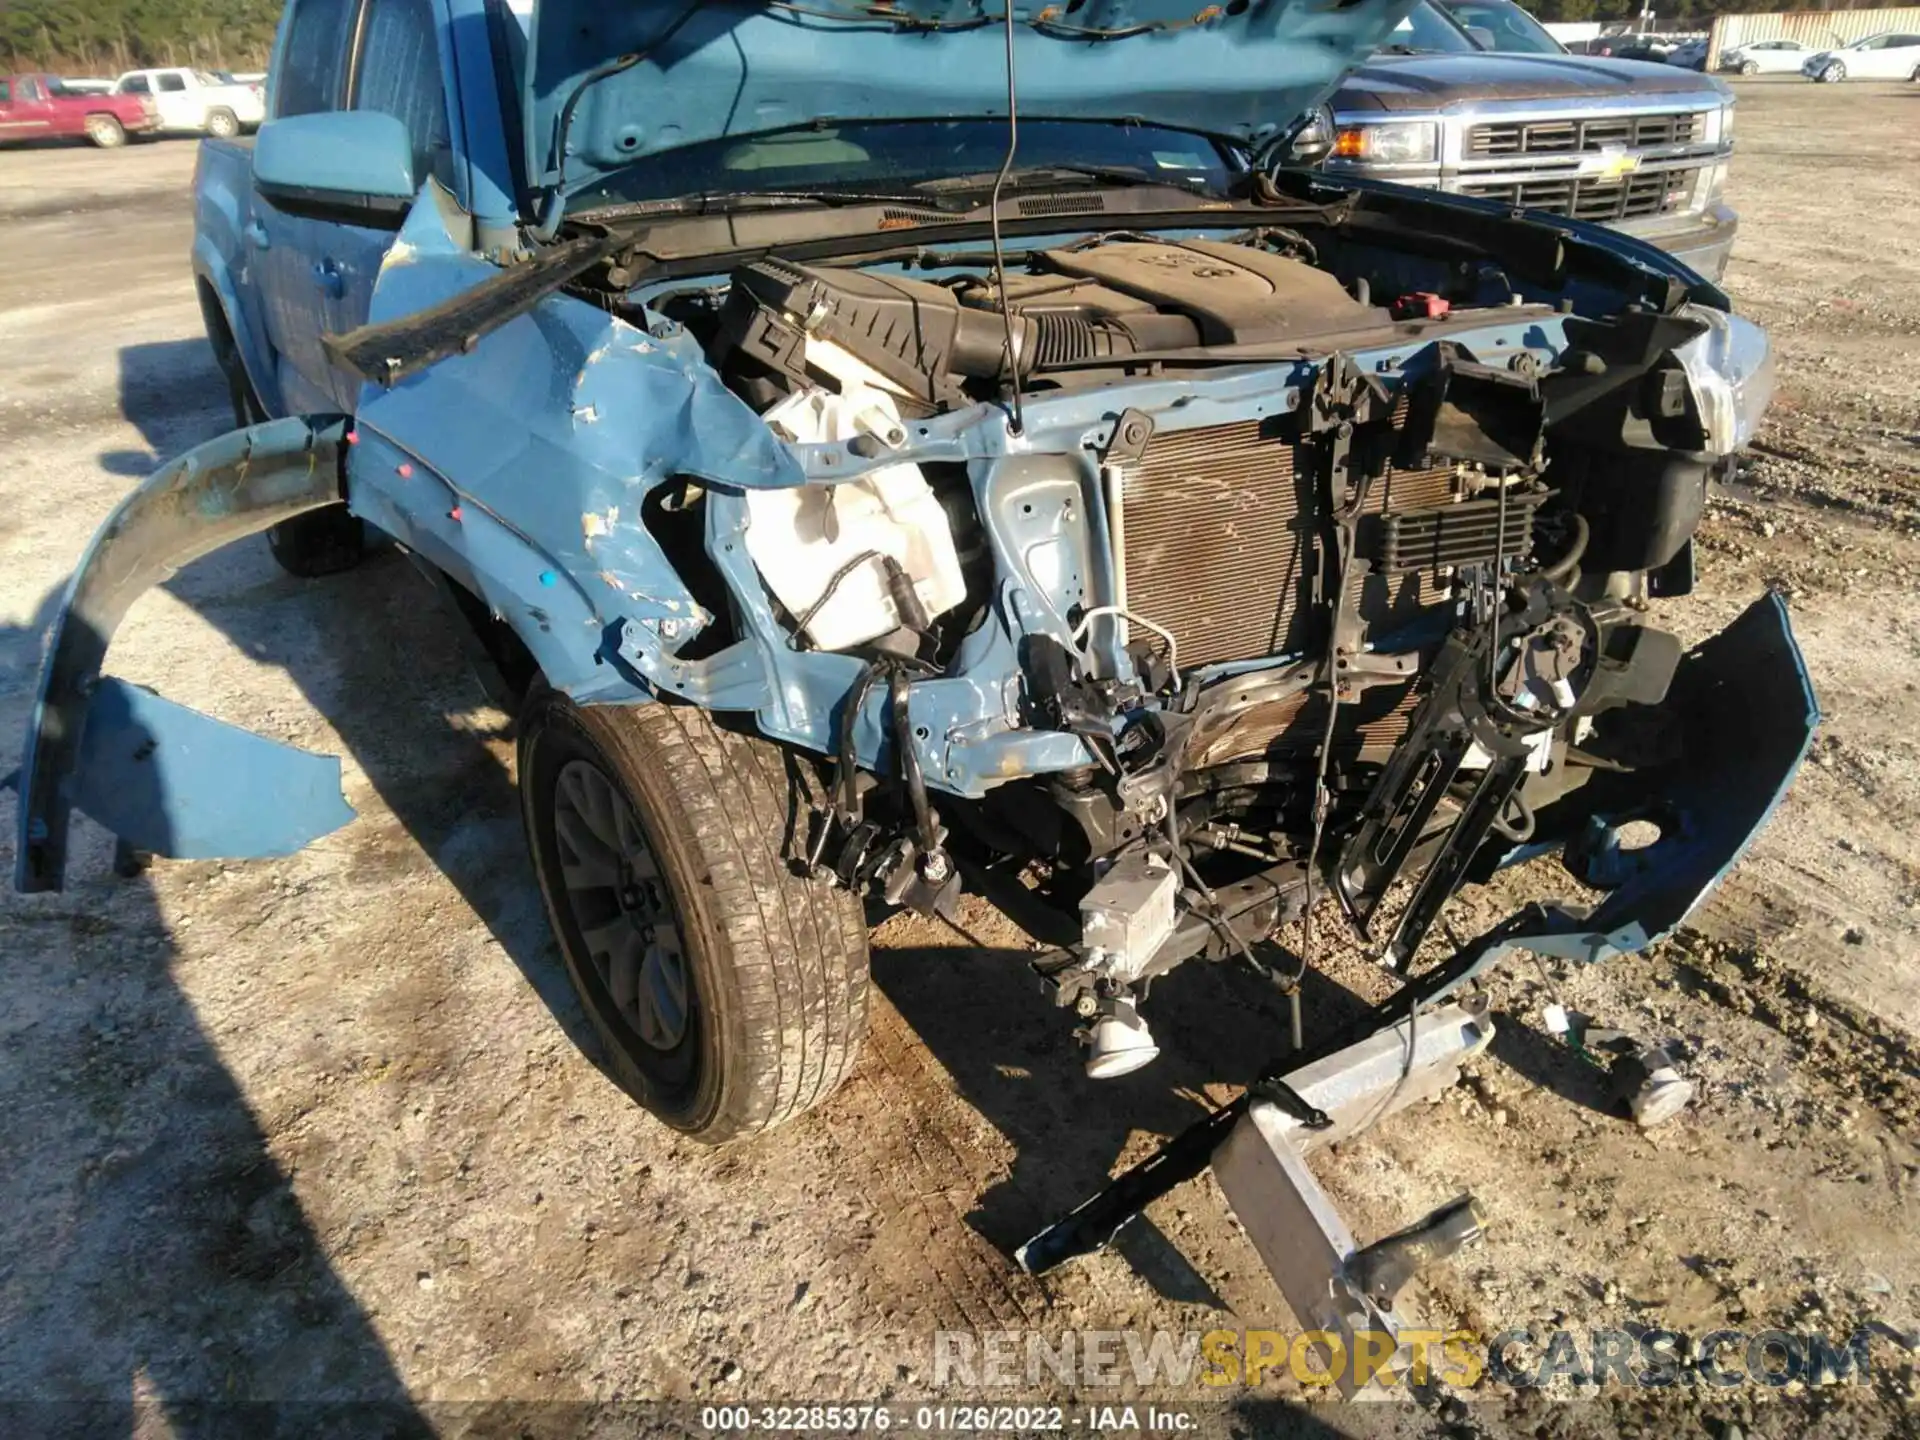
1611	163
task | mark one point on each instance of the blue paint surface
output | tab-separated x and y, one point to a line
181	784
741	68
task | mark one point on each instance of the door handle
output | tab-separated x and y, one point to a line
257	233
327	272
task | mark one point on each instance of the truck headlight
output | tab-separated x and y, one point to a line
1731	371
1713	183
1396	143
1726	123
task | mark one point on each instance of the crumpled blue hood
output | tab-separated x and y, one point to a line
1241	69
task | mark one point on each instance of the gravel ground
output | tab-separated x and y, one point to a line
329	1128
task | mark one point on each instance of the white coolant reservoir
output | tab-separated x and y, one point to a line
800	538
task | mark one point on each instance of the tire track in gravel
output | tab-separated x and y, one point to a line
895	1122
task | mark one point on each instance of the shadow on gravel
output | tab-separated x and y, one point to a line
382	657
1013	1054
174	394
161	1260
156	1265
1548	1063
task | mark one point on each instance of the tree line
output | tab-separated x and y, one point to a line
105	37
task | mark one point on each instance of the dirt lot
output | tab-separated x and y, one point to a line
324	1129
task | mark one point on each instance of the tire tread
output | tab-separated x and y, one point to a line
792	951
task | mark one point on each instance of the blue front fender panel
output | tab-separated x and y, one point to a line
161	777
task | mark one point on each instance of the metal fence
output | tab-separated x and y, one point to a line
1817	29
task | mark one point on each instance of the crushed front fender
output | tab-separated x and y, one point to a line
163	778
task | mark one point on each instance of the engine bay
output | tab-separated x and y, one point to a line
1375	626
1151	580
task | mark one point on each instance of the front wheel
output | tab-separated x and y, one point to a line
1750	67
1833	74
223	124
106	132
730	992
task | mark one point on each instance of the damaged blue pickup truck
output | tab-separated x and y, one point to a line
895	450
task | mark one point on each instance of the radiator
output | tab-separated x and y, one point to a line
1219	541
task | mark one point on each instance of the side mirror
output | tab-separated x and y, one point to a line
351	160
1308	143
1482	37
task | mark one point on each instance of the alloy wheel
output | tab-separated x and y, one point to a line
620	904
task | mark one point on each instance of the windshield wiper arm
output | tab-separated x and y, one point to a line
1032	177
732	202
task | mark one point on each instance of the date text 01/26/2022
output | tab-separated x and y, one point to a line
935	1419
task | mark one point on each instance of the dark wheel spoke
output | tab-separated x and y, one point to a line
586	861
620	904
625	967
663	993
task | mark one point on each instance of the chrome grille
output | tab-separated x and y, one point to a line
1659	192
1219	541
1569	137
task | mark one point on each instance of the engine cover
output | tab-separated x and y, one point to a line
1235	294
1069	306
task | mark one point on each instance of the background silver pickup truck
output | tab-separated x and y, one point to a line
1640	147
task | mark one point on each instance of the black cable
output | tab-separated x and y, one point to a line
898	689
847	757
1214	915
834	582
550	224
993	217
1565	567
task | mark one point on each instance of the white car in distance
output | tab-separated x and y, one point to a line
1764	57
1892	55
197	101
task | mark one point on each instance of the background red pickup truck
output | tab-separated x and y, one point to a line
35	105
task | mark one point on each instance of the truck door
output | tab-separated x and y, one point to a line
21	111
140	84
397	70
290	251
180	107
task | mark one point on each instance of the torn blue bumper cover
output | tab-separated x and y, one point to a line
1747	714
163	778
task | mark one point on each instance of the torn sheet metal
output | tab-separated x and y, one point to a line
1748	716
174	782
216	493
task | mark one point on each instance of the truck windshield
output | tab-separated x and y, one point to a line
894	157
1427	31
1514	31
